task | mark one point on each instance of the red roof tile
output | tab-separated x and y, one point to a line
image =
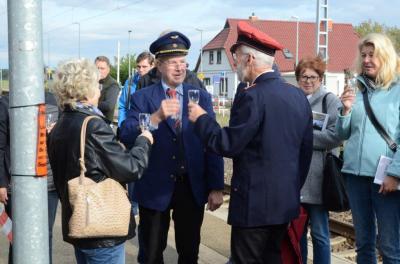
342	41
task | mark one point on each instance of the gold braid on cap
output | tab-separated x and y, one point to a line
170	51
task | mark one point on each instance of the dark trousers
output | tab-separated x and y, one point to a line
187	216
258	245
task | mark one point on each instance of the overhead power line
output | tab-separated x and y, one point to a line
95	16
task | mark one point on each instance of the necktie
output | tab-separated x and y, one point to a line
172	94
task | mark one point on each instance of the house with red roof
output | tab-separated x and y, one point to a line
217	62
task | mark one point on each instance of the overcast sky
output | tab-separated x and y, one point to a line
103	23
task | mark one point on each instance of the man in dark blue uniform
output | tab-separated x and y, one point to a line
181	176
269	138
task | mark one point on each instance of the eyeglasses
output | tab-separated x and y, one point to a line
175	64
312	78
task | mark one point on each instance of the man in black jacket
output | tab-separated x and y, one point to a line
109	88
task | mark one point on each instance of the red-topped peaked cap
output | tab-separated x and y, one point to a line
252	37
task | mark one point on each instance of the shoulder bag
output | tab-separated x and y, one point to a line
98	209
378	126
334	195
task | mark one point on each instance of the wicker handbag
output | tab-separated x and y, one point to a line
98	209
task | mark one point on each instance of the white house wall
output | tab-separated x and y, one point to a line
223	69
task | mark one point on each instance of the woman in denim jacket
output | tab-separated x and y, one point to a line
375	208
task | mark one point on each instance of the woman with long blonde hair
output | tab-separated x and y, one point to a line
375	208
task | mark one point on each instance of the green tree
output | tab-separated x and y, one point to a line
370	26
123	67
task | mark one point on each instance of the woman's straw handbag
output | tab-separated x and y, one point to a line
98	209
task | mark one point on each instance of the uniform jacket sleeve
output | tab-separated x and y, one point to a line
214	162
243	125
116	162
306	150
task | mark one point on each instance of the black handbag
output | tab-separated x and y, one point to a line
334	195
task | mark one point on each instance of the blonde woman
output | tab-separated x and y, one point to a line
77	90
375	208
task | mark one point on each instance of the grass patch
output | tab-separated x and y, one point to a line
223	120
4	85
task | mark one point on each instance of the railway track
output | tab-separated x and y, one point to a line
341	228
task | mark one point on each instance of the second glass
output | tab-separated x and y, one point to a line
144	121
194	96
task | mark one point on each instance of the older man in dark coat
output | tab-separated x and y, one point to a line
270	140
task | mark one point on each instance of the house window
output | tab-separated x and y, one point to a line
211	57
219	57
206	81
223	87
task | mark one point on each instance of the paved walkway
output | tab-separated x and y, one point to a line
213	250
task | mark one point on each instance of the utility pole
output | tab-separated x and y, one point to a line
322	29
297	39
201	49
129	53
118	60
27	133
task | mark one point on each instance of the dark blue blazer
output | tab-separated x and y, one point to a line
270	139
205	169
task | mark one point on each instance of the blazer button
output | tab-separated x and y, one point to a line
173	157
235	189
174	139
172	176
182	167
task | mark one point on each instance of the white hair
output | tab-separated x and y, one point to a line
260	59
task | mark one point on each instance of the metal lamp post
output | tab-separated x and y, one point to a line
79	38
201	48
297	38
129	53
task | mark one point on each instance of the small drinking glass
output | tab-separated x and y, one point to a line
194	96
50	119
144	121
352	83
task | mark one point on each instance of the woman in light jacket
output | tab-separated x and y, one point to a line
77	91
309	75
374	207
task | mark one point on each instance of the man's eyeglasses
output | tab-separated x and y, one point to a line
312	78
175	64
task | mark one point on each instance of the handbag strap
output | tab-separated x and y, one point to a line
378	126
324	107
325	111
82	147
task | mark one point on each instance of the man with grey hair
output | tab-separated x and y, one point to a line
270	139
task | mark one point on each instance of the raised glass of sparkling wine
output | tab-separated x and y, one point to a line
50	119
194	96
144	121
352	83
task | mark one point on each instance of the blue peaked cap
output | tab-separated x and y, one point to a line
172	43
